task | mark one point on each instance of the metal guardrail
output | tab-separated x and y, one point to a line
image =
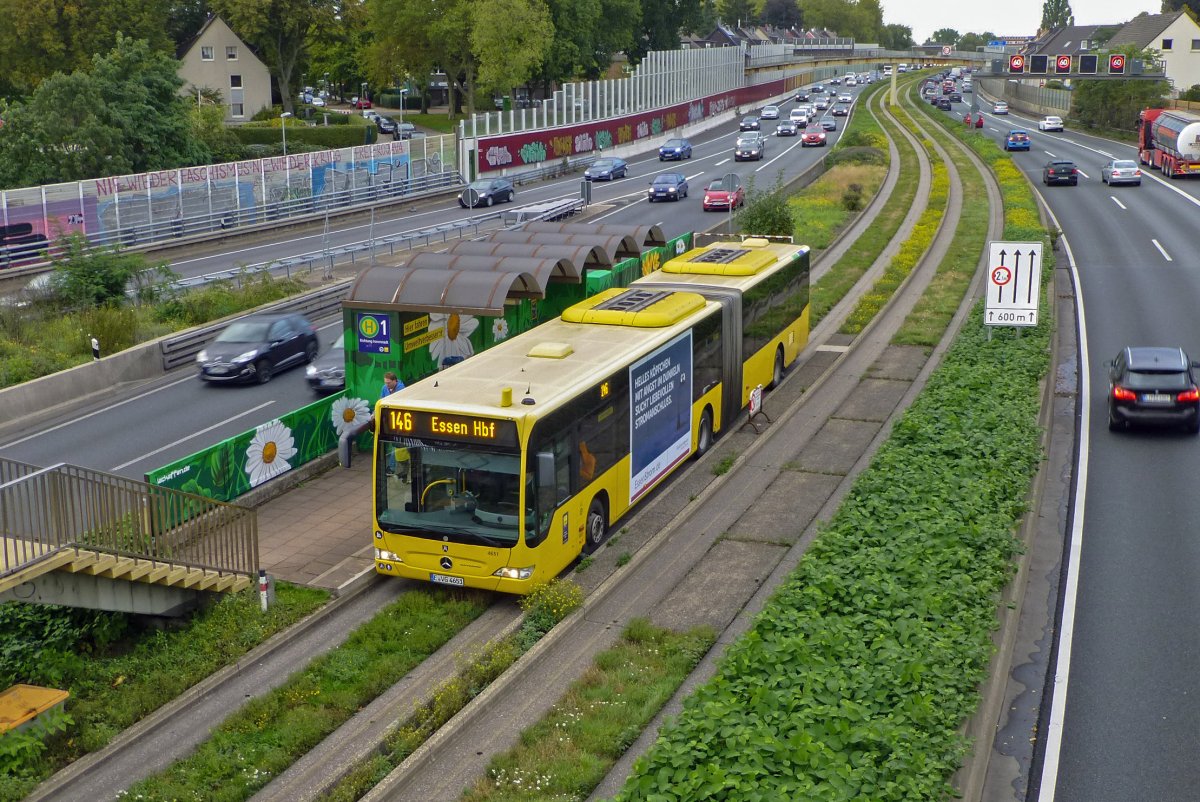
549	210
181	349
66	506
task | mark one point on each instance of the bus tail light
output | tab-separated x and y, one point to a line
515	573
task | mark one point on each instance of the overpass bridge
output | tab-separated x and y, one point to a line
83	538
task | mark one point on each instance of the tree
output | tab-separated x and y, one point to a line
1176	5
946	36
278	30
782	14
737	12
403	43
1056	14
662	20
1115	103
508	38
40	38
974	41
766	213
896	37
78	126
341	48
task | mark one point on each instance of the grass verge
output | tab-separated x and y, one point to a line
567	753
271	732
115	688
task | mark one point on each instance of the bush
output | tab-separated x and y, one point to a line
1192	93
324	137
852	198
766	213
87	277
857	155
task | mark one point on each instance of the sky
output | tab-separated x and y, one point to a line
1008	17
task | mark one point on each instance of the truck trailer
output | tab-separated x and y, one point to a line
1169	140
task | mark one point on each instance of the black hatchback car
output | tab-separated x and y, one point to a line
254	348
1153	385
1060	171
487	191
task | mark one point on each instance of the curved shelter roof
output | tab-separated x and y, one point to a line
545	269
646	236
589	257
617	246
434	289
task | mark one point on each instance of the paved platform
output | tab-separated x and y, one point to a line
319	533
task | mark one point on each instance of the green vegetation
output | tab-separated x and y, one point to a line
567	754
543	608
871	652
256	743
41	338
118	672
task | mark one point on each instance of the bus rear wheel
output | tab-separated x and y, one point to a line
704	438
597	525
777	373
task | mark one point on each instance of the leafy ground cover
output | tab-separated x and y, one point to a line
117	672
855	678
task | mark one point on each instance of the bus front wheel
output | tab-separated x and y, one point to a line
597	525
777	373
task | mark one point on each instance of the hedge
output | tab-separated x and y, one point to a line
332	136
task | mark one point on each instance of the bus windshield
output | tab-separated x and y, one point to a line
449	492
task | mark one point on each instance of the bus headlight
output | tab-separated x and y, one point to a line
390	556
514	573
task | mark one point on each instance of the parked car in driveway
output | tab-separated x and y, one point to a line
675	149
606	169
487	191
667	186
1121	171
1050	123
1060	171
724	193
360	103
327	374
386	125
254	348
750	146
1153	385
1017	140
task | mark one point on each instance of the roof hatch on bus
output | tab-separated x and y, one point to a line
746	258
642	308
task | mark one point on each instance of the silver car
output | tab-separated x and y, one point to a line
1121	171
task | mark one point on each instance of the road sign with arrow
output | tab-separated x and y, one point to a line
1014	282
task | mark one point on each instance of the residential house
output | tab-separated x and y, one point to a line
217	59
1176	36
1070	40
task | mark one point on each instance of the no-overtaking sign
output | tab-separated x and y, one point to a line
1014	281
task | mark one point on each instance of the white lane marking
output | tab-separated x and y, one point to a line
78	418
777	158
1166	255
1062	666
1114	200
192	435
1082	173
1051	155
723	161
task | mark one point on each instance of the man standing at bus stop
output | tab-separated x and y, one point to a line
391	383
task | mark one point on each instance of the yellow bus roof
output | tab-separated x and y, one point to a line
726	264
567	358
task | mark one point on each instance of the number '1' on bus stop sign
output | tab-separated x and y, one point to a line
374	333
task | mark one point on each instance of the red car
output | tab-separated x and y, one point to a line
360	103
813	135
720	195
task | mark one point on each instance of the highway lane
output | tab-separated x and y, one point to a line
1127	720
143	428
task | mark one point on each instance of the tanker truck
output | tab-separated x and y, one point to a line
1169	140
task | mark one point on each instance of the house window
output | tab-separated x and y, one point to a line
1167	44
206	53
236	110
235	82
1196	44
231	52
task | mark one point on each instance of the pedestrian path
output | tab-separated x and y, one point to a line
319	533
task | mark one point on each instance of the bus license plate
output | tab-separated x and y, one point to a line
442	579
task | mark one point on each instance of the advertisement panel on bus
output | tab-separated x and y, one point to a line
660	415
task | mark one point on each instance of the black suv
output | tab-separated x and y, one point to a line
254	347
1060	171
1155	386
386	125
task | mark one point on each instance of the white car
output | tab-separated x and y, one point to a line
1050	124
799	115
851	81
318	101
845	98
770	113
999	107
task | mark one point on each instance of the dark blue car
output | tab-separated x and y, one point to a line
668	186
675	149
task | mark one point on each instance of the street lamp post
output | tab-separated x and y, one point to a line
283	127
403	92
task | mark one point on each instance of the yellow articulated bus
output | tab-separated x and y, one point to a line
500	471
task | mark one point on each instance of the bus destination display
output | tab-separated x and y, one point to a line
420	424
